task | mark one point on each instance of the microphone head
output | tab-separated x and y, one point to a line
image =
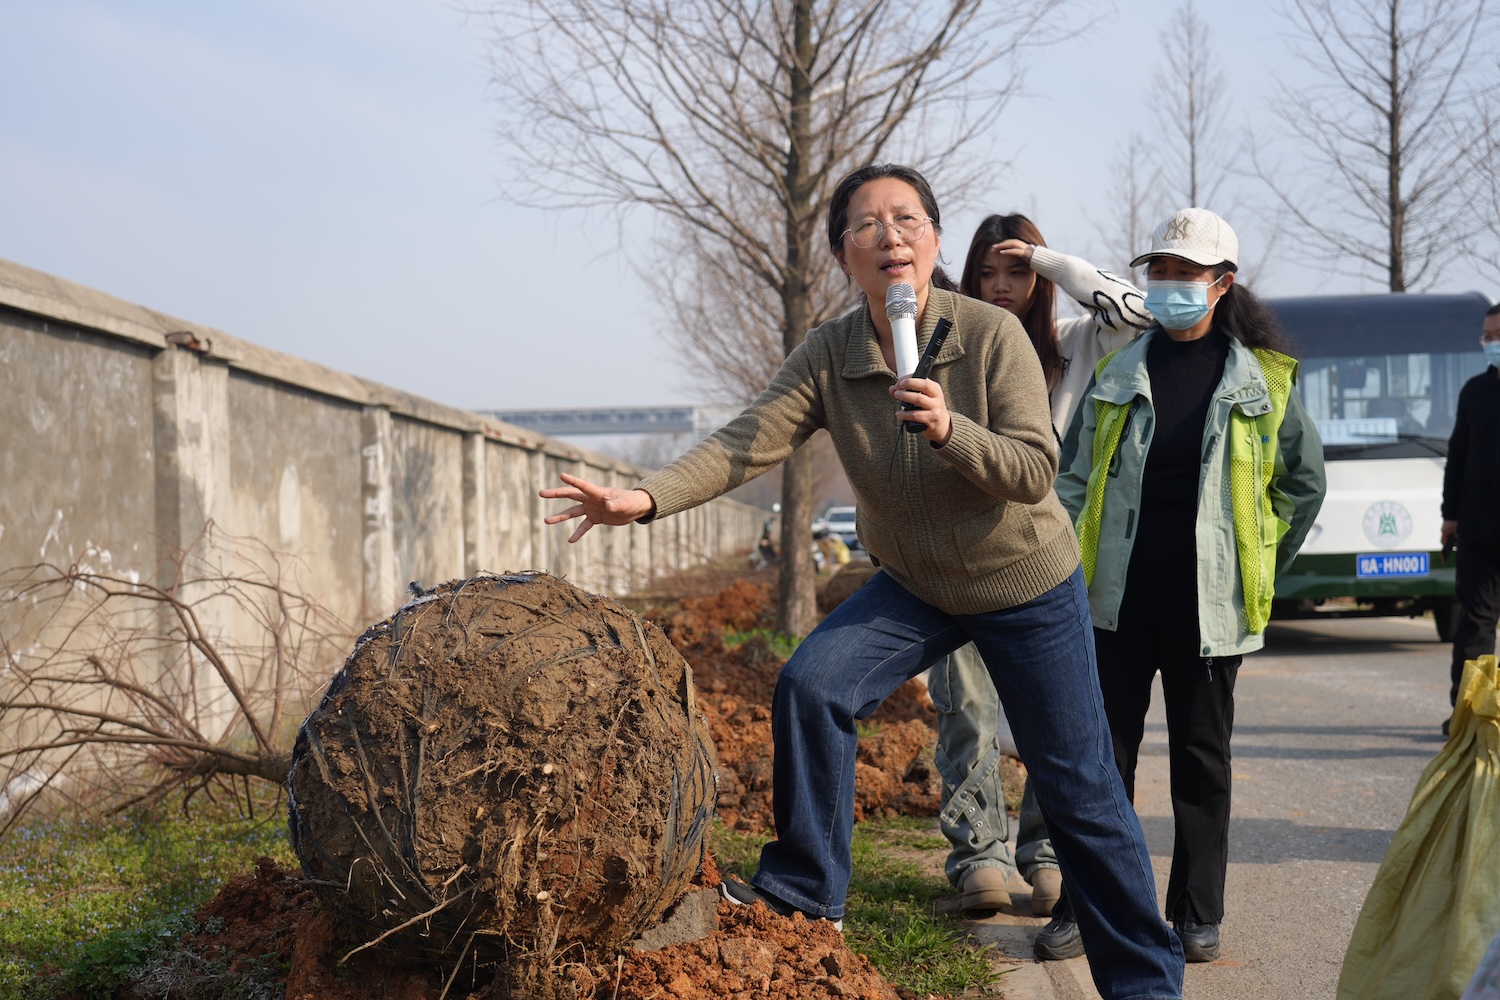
901	300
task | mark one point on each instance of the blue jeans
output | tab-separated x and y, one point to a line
1041	659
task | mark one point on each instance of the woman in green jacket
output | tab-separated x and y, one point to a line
1195	475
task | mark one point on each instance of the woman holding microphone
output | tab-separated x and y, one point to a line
973	546
1010	266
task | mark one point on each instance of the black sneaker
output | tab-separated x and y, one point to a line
743	894
1200	942
1058	941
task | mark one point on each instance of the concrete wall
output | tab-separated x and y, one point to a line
124	431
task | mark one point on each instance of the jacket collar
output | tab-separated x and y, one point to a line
862	357
1242	384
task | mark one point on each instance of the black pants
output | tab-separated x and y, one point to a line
1199	695
1478	584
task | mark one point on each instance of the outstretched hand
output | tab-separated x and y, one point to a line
597	504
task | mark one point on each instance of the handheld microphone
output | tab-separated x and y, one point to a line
929	355
901	310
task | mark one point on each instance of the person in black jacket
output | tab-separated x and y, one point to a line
1471	507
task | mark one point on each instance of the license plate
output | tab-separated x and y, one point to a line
1383	564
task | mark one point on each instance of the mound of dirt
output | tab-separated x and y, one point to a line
755	953
894	772
272	914
508	767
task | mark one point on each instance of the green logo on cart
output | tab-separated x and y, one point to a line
1387	524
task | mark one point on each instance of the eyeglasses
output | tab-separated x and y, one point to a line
907	228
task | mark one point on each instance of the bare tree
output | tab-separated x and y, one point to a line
117	692
732	120
727	318
1387	131
1483	183
1188	97
1134	205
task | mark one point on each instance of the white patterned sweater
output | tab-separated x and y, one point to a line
1116	313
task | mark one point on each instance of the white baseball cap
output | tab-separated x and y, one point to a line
1194	234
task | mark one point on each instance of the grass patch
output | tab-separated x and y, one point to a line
781	644
889	915
912	833
736	852
86	904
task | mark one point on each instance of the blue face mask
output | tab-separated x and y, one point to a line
1491	352
1178	305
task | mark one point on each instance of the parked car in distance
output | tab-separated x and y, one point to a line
840	521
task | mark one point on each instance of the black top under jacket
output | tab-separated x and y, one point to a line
1163	572
1471	481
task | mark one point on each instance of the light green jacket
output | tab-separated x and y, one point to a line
1296	490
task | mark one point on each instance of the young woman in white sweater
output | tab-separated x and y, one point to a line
1009	265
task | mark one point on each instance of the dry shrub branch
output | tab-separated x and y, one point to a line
116	692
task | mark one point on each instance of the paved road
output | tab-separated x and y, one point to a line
1334	722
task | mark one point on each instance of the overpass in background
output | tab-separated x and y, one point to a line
700	421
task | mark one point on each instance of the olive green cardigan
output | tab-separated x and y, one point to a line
971	527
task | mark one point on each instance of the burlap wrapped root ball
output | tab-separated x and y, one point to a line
511	767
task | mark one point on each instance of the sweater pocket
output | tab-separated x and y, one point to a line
995	537
882	546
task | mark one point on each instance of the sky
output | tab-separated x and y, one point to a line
327	178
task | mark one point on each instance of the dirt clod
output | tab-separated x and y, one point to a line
508	769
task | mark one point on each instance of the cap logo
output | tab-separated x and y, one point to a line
1177	228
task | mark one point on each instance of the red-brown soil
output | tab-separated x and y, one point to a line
894	773
754	953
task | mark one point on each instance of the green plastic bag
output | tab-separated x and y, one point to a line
1435	903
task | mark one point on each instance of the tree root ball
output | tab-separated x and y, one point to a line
507	770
